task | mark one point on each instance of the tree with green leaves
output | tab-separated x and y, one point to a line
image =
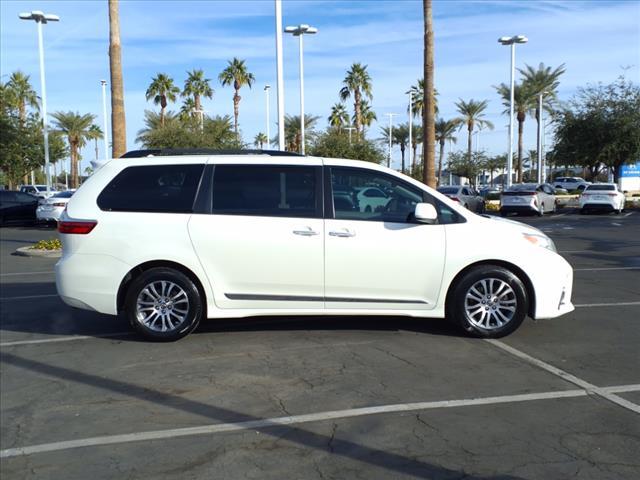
472	114
197	86
336	145
356	84
95	134
494	164
293	134
21	94
445	130
76	128
400	137
600	127
187	109
236	74
417	99
260	139
162	90
367	115
524	100
339	116
464	165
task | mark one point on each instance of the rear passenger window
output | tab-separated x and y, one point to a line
153	188
266	190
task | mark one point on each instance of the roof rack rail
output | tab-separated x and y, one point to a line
167	152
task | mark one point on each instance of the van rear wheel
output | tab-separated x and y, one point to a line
489	301
163	304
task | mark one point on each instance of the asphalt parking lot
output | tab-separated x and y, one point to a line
328	398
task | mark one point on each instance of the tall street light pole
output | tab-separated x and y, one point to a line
390	115
541	175
40	18
104	119
410	132
300	31
279	75
512	41
266	95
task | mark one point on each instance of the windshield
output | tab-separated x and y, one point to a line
63	195
448	190
601	187
523	187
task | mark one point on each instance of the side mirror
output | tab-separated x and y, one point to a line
426	213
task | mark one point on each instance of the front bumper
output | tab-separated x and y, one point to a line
553	292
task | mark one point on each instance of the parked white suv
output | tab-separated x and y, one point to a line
170	240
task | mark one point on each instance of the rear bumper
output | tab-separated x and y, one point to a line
598	206
518	209
90	282
42	214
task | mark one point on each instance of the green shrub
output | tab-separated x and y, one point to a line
52	244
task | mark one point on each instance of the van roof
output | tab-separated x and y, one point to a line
172	152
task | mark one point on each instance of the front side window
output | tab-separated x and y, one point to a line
153	188
393	200
266	190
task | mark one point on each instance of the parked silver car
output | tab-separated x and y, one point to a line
538	198
465	195
571	183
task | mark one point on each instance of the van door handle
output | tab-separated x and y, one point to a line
342	233
306	233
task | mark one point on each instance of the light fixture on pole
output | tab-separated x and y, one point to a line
279	75
104	119
40	18
390	115
300	31
410	131
512	41
541	175
350	129
266	94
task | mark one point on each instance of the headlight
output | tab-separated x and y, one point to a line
540	241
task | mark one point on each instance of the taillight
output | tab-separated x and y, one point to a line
59	204
455	199
76	227
612	194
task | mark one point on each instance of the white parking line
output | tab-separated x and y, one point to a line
279	421
617	304
588	387
28	297
69	338
603	269
24	273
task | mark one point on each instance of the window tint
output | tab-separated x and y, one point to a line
153	188
66	194
448	190
265	190
352	202
591	188
25	198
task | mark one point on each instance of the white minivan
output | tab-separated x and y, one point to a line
172	238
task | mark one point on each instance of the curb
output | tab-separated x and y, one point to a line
30	252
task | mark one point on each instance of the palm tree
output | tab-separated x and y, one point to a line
162	90
400	137
236	74
429	116
188	108
417	99
21	94
523	101
292	133
545	81
118	122
152	123
472	114
367	115
339	117
260	139
95	134
77	129
197	86
493	164
416	138
357	83
444	131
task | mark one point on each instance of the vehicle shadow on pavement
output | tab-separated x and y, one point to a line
393	462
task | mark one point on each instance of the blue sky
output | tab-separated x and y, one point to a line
594	39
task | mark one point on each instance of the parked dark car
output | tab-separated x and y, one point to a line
17	207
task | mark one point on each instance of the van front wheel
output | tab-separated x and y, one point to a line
489	301
163	304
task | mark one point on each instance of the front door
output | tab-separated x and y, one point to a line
262	246
380	258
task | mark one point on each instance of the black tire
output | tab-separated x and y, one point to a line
194	305
514	294
583	211
503	213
